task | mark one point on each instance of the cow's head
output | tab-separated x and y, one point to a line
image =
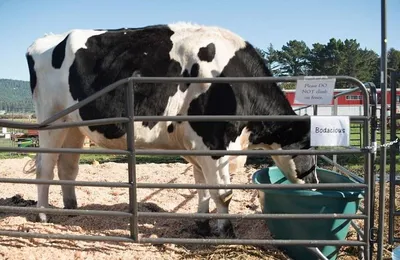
297	168
306	168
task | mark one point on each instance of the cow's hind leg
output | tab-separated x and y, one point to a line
217	172
203	206
203	226
68	166
45	165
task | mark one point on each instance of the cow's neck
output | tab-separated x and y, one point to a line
288	133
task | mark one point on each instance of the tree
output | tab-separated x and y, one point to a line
327	59
270	58
393	63
336	57
393	59
293	58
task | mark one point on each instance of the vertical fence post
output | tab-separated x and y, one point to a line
131	160
393	151
335	113
381	222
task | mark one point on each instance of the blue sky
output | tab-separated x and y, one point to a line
261	22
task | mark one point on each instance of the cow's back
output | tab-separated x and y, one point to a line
72	66
67	68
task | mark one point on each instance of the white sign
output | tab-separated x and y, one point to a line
314	91
330	131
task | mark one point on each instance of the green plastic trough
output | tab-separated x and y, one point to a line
299	201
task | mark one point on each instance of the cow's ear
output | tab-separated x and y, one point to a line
136	73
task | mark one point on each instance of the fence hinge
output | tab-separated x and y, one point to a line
373	234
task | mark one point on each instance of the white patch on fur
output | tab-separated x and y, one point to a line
286	164
240	143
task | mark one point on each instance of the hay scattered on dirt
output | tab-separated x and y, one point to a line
169	200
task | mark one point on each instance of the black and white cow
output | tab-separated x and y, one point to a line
66	68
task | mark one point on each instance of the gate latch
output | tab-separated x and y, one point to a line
373	237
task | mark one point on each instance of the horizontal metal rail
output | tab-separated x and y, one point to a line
213	118
248	152
4	209
118	83
59	211
36	126
249	216
342	169
341	93
11	233
319	186
280	242
63	150
184	152
67	182
192	118
21	234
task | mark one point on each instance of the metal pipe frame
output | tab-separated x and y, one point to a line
393	213
383	72
373	128
132	184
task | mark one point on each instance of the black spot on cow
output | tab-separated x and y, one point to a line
207	53
216	135
252	98
32	72
115	55
58	54
186	73
184	86
170	128
194	71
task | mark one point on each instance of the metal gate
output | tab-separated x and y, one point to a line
394	213
366	150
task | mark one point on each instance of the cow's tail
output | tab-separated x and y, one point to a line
31	164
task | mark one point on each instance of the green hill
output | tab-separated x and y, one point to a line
15	96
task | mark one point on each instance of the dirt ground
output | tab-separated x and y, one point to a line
168	200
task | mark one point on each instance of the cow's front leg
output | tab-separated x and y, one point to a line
68	166
203	206
216	171
45	163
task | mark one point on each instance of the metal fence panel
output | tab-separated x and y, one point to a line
133	185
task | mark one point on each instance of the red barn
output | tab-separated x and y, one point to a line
352	99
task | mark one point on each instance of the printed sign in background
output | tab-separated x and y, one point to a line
314	91
330	131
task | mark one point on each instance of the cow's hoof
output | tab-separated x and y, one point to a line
203	228
71	215
41	217
70	204
227	231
